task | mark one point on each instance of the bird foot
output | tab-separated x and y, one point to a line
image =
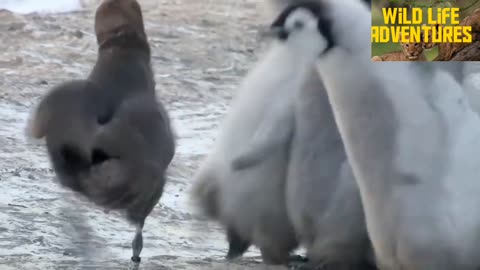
134	263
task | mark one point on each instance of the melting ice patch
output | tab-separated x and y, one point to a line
40	6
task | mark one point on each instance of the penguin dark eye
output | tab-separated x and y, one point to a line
298	24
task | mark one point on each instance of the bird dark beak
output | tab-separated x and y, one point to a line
275	32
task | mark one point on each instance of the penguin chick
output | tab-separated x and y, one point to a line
323	200
250	204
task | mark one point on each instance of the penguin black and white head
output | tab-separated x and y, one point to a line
314	25
299	25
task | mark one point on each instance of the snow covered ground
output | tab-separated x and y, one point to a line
40	6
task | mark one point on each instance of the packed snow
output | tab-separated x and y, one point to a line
40	6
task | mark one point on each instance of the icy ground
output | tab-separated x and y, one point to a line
200	49
43	6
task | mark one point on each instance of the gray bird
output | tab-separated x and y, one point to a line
108	138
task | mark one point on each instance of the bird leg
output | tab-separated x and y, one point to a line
137	246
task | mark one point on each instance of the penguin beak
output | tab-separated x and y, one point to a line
275	32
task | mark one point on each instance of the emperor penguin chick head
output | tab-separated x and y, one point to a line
310	25
300	25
